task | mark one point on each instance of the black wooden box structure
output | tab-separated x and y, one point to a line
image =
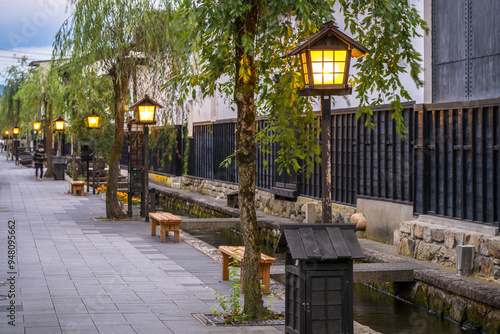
319	276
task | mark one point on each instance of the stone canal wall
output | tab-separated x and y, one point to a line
266	202
470	302
438	244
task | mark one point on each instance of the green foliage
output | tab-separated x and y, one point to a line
163	141
231	307
10	104
388	28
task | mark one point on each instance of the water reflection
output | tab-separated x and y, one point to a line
227	237
386	314
377	310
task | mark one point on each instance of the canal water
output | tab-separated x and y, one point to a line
375	309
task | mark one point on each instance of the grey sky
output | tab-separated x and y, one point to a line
28	27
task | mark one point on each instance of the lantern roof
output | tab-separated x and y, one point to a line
319	241
59	119
145	100
329	28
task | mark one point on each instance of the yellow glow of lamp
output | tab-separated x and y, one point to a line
93	121
325	61
145	110
37	126
6	132
59	124
146	114
15	130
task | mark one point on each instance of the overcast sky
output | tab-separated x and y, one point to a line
28	27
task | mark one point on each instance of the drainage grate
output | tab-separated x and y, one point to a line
211	320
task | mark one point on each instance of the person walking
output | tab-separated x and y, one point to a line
38	161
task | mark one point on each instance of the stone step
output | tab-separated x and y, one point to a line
456	223
368	272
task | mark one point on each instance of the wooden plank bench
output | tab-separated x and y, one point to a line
234	254
77	187
168	222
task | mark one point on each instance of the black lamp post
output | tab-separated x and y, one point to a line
59	126
144	114
15	132
92	121
34	133
324	63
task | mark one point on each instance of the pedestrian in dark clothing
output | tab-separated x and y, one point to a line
38	160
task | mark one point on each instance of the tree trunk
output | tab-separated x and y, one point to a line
244	93
47	128
113	210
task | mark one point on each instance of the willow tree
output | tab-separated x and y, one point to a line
41	96
115	38
244	40
10	104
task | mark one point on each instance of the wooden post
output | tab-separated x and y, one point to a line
326	158
145	200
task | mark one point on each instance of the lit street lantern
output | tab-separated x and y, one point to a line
34	133
59	124
37	126
324	62
15	130
92	121
145	110
144	114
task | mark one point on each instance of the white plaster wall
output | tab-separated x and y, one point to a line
216	108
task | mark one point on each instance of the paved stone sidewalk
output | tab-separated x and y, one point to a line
74	273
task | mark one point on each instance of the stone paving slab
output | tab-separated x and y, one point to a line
76	273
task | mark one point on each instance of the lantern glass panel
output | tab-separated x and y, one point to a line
146	113
93	121
6	132
328	66
59	125
305	72
36	126
15	131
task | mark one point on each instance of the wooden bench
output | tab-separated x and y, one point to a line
234	254
168	222
77	187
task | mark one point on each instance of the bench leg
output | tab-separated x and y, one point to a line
163	232
241	280
265	274
176	236
225	269
153	227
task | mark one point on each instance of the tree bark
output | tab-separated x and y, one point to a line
120	87
244	93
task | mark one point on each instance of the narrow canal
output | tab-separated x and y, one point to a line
377	310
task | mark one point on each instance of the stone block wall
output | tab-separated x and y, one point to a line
266	202
437	243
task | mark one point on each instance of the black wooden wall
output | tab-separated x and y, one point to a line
448	164
465	50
